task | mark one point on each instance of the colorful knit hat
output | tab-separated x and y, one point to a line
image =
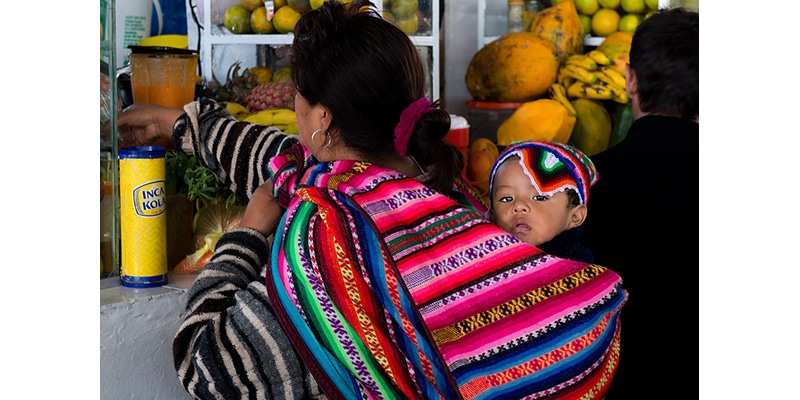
552	167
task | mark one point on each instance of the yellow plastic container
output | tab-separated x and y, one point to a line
143	219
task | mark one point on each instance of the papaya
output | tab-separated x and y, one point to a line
623	119
592	131
542	119
514	68
617	47
559	24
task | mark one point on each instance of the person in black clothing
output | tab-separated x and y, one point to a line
644	216
538	193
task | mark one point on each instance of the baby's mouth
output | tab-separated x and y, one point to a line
521	226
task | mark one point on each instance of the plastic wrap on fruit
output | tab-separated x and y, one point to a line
212	222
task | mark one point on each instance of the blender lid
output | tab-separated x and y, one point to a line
159	50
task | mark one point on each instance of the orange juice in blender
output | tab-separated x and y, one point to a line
165	76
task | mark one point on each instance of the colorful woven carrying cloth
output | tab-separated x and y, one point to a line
390	290
552	167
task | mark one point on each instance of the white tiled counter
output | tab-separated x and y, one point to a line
136	331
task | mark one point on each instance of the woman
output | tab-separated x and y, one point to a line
385	286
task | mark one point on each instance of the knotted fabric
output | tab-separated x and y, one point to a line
409	118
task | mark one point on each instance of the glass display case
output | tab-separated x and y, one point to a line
493	19
109	171
219	48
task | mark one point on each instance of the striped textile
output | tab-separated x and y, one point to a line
389	289
236	151
230	345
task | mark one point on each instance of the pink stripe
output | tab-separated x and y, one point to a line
500	292
529	320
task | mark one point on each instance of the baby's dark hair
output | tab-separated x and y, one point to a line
574	200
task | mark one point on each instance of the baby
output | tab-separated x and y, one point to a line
538	193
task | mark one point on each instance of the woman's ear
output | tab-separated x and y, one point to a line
576	216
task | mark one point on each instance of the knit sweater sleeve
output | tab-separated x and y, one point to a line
230	345
236	151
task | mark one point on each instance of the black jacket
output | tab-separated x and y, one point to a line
643	223
567	245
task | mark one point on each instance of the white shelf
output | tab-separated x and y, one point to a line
500	8
219	35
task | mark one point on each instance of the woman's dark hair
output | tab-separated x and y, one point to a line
367	71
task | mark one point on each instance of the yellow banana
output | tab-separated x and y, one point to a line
619	79
604	77
599	57
579	73
559	93
237	110
582	60
620	95
291	129
590	91
284	116
263	117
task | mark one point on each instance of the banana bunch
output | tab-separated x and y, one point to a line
589	76
558	93
281	118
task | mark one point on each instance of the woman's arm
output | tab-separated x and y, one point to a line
230	342
236	151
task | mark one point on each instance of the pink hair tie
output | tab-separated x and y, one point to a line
409	118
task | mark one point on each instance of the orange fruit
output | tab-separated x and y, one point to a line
632	6
259	22
587	7
612	4
284	19
618	47
629	22
586	21
484	144
263	74
605	22
237	19
251	5
409	25
479	166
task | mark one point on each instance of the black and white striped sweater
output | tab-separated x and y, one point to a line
230	345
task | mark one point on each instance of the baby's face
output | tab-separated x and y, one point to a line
521	210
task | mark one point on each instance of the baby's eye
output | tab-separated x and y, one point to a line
539	198
505	199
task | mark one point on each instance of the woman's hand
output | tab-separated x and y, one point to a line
145	124
263	211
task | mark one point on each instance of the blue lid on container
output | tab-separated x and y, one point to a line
142	152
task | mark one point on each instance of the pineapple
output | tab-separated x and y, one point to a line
236	86
271	95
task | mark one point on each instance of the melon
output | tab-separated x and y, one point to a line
514	68
592	131
542	119
560	25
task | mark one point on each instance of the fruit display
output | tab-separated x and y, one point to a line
280	17
605	17
586	106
